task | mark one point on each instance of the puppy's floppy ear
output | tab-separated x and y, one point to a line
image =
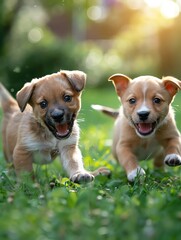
172	85
120	82
76	78
24	95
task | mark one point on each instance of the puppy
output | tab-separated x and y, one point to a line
145	126
46	125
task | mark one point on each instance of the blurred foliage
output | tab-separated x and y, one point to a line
42	60
40	37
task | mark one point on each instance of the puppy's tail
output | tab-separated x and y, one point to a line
101	171
106	110
7	102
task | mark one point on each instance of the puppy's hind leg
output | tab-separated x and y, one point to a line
22	161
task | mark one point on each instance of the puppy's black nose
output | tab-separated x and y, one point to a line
143	115
57	115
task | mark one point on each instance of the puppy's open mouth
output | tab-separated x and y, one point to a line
145	129
63	130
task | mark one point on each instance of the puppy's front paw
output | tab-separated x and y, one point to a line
135	173
172	160
82	177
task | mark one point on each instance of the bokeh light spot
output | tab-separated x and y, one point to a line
96	13
35	35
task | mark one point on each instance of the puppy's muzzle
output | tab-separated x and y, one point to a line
144	127
60	122
57	115
143	115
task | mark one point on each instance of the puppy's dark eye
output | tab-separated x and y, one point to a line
132	101
67	98
43	104
156	100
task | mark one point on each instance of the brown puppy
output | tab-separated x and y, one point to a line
46	125
145	126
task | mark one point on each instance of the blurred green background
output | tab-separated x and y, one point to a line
100	37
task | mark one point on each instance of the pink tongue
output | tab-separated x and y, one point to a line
62	129
145	127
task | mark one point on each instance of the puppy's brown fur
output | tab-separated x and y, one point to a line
46	125
145	126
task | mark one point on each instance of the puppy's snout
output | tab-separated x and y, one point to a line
143	115
57	115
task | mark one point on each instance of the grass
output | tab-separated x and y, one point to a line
54	208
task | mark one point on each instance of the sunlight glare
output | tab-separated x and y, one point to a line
170	9
153	3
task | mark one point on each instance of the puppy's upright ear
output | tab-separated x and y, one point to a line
24	95
120	82
172	85
76	78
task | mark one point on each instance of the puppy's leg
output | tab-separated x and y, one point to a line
71	158
173	160
173	152
129	162
22	160
158	160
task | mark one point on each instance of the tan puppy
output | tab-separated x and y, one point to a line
46	125
145	127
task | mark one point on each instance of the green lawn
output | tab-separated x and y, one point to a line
105	209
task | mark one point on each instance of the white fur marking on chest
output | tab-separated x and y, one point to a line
33	144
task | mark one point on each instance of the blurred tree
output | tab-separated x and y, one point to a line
169	49
28	47
8	15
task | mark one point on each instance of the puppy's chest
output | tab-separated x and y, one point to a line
43	151
45	156
147	149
